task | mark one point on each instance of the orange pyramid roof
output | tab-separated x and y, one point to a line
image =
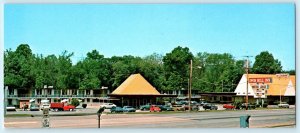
135	84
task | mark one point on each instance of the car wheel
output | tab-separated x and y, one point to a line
70	109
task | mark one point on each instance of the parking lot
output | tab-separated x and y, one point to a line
203	119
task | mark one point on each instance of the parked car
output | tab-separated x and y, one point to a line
116	110
202	103
34	107
250	106
193	107
228	106
210	106
178	107
165	108
145	107
10	108
283	105
155	108
107	105
128	109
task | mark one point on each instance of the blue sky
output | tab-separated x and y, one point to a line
143	29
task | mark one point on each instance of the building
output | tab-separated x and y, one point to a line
136	91
270	88
19	97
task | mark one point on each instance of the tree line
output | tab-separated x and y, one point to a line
212	72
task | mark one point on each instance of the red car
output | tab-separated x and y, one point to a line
228	106
154	108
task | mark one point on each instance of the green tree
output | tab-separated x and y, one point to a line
123	67
18	67
266	64
176	67
151	67
216	72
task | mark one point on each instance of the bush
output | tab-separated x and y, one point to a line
75	102
238	104
84	105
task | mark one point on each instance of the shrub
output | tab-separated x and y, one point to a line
237	104
75	102
84	105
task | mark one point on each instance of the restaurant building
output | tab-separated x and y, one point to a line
136	91
270	88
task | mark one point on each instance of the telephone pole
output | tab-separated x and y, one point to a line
247	72
190	85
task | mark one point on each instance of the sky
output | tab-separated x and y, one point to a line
144	29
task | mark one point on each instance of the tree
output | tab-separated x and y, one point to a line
266	64
151	67
216	72
123	67
18	67
176	67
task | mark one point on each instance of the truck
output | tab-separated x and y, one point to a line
61	107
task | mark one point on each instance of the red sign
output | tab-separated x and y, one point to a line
260	80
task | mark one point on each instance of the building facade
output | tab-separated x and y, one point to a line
269	88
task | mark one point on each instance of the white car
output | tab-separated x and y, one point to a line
283	105
107	105
10	108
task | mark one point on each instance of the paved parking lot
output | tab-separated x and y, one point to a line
202	119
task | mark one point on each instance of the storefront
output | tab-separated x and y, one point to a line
268	88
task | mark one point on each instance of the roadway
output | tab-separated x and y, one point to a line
207	119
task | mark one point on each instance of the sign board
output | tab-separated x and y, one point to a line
260	80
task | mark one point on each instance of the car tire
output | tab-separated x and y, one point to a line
70	109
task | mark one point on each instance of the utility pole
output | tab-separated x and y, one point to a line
190	85
247	72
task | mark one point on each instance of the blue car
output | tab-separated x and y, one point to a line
116	110
128	109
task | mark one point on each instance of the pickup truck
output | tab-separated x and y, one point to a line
62	107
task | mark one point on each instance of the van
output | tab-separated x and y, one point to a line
45	104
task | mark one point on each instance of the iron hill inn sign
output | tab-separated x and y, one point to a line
260	86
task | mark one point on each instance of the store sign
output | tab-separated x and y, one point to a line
260	80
